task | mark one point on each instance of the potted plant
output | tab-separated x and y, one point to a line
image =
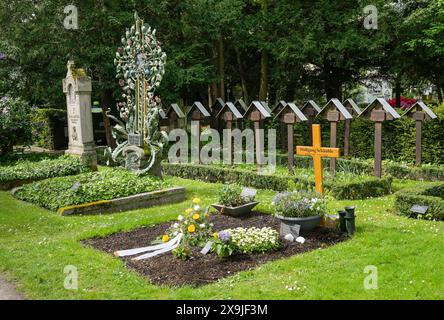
234	202
299	208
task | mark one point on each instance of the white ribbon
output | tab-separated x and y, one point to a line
154	250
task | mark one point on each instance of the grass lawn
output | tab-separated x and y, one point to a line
36	245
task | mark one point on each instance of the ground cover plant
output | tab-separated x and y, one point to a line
36	245
106	184
32	168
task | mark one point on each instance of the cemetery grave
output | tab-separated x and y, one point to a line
138	225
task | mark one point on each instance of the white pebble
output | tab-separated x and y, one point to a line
300	240
289	237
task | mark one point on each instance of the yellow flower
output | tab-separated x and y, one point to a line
196	200
215	236
189	210
196	216
191	228
165	238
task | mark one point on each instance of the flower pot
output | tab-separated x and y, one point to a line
236	211
350	220
307	224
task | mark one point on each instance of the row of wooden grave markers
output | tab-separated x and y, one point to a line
289	114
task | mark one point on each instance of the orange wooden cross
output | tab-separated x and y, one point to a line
318	152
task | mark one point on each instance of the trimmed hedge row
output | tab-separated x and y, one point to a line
26	171
426	172
431	196
48	128
368	187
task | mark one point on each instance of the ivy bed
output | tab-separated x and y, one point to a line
105	191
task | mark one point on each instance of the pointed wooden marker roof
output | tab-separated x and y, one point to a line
199	107
292	107
380	104
421	106
230	107
310	109
278	108
332	105
177	110
241	106
261	107
352	107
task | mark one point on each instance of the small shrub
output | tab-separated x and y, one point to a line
230	196
29	170
431	196
299	204
15	124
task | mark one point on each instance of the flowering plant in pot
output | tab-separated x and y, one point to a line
233	202
299	208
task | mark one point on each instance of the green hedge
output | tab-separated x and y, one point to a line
24	171
431	196
361	188
87	187
48	128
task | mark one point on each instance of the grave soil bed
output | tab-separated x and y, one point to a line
204	269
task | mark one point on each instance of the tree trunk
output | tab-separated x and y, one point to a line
264	76
107	100
242	76
221	66
398	92
263	87
439	89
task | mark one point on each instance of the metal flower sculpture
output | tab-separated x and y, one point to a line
140	66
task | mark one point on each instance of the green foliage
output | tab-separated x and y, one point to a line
182	252
43	127
254	240
299	204
87	187
431	196
14	123
341	187
361	188
230	196
30	170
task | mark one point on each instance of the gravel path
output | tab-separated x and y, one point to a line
8	292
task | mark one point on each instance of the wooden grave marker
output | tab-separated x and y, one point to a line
257	113
334	112
289	115
198	114
318	152
282	127
379	111
355	111
310	110
229	113
420	112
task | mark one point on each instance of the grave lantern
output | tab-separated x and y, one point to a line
258	112
420	113
229	113
378	112
355	111
289	115
310	110
175	115
334	112
282	128
198	115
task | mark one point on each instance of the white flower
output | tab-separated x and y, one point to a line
196	207
202	226
176	225
180	218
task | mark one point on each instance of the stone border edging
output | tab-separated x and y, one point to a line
138	201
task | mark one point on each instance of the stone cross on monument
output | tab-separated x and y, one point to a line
77	88
317	152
